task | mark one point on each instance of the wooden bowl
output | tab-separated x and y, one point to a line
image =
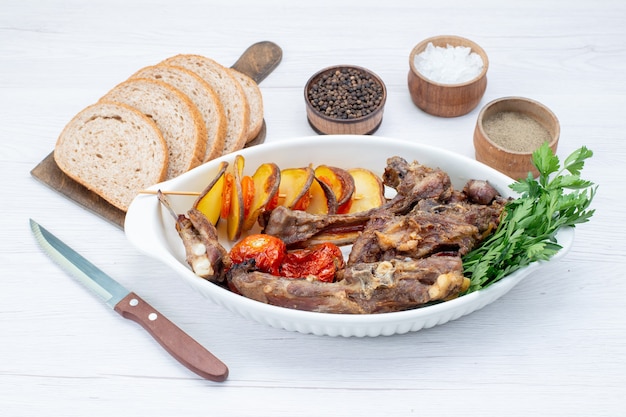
509	129
331	120
446	99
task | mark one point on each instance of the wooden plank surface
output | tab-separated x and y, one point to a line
49	174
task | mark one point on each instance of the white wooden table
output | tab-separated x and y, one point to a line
555	345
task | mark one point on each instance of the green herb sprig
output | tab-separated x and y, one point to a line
559	197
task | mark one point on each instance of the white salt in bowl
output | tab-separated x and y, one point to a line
509	129
438	78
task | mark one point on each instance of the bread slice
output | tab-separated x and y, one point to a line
113	150
179	120
228	90
201	94
255	102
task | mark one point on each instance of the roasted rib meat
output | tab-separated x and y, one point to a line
416	235
204	253
378	287
415	185
412	182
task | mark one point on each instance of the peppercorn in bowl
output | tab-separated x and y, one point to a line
345	100
447	75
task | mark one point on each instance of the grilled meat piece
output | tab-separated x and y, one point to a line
293	226
412	182
484	217
431	227
203	251
215	254
365	288
204	254
416	235
480	192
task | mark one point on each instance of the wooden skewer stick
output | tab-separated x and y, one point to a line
197	193
192	193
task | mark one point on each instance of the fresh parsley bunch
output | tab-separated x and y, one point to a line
559	197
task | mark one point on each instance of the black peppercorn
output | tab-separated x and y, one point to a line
346	93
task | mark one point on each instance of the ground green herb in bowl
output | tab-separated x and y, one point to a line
527	231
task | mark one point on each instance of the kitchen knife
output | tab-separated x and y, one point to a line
130	306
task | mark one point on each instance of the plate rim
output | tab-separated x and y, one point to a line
314	322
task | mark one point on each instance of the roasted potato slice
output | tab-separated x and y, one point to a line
266	182
234	221
339	180
209	202
294	187
369	191
322	198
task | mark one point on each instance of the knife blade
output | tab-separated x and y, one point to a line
130	306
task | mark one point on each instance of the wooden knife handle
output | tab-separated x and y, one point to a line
178	343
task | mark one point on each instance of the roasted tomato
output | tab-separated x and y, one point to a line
247	187
345	208
273	203
227	194
268	252
302	203
321	261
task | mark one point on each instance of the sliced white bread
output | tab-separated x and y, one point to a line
113	150
179	120
229	91
255	102
201	94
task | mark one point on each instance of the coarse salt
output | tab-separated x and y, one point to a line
449	65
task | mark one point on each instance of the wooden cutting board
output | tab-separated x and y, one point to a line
258	61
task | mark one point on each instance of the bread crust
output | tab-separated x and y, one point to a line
255	103
229	91
114	150
201	94
172	112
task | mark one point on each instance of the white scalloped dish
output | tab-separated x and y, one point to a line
151	229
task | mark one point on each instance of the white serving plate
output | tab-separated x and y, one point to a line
150	227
